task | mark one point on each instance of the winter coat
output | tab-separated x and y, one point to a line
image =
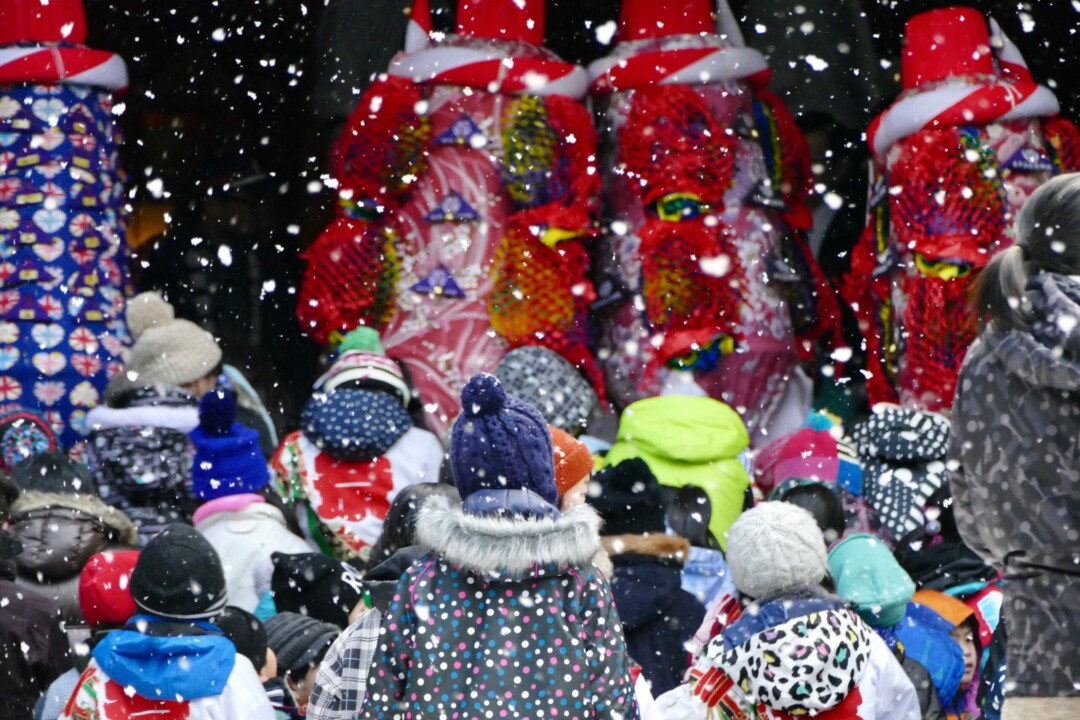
245	530
140	457
341	505
706	576
33	646
1016	481
689	441
658	616
503	617
59	533
175	670
802	653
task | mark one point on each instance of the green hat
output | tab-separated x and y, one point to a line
364	339
868	576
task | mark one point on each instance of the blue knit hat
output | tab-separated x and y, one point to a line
500	443
227	457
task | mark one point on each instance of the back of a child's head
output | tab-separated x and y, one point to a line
399	527
53	472
689	515
823	503
179	575
247	633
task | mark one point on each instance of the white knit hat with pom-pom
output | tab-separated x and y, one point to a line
775	546
176	353
147	310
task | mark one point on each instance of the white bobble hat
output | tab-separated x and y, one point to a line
773	547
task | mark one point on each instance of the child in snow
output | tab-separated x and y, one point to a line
965	632
231	476
793	649
505	616
357	449
299	644
169	660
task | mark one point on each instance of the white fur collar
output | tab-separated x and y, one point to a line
514	546
180	418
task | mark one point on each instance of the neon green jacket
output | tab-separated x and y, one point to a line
689	441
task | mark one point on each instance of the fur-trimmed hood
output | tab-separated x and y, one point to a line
671	548
512	547
60	531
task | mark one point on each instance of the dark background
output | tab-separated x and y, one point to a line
232	107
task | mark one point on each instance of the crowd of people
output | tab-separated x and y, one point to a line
184	563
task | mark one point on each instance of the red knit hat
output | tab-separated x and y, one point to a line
502	19
32	21
807	453
945	43
104	588
573	461
650	19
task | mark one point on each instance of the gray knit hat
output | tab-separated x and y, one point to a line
544	379
775	546
147	310
176	353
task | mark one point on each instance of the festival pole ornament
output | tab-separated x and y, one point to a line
467	188
708	283
954	160
63	253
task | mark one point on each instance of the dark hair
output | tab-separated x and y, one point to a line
247	633
1048	240
823	503
689	514
399	528
53	472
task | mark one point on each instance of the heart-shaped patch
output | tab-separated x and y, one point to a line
9	333
8	106
84	395
50	220
8	357
49	392
47	335
49	364
49	251
48	109
9	219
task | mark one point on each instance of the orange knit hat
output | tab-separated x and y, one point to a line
948	607
573	461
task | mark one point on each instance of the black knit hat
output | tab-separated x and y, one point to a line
179	575
298	640
628	498
53	472
247	633
314	585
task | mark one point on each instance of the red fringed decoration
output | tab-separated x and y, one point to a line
382	146
352	269
671	143
948	207
937	338
792	176
690	282
1064	140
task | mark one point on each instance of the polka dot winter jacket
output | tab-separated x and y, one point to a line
504	618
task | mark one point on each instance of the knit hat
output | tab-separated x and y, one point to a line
573	461
176	353
298	640
543	379
868	576
362	364
628	499
247	633
354	425
500	443
23	433
147	310
807	453
227	456
315	585
179	575
105	588
773	547
53	472
948	607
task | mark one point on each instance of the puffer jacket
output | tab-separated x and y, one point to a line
798	654
140	457
658	616
59	533
1016	481
505	616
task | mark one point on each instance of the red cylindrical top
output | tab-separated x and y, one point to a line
945	43
29	21
649	19
502	19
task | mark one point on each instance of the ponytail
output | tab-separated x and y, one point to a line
998	292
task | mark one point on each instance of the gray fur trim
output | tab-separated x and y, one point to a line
505	545
124	530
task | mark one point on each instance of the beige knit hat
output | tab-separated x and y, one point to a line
147	310
176	353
